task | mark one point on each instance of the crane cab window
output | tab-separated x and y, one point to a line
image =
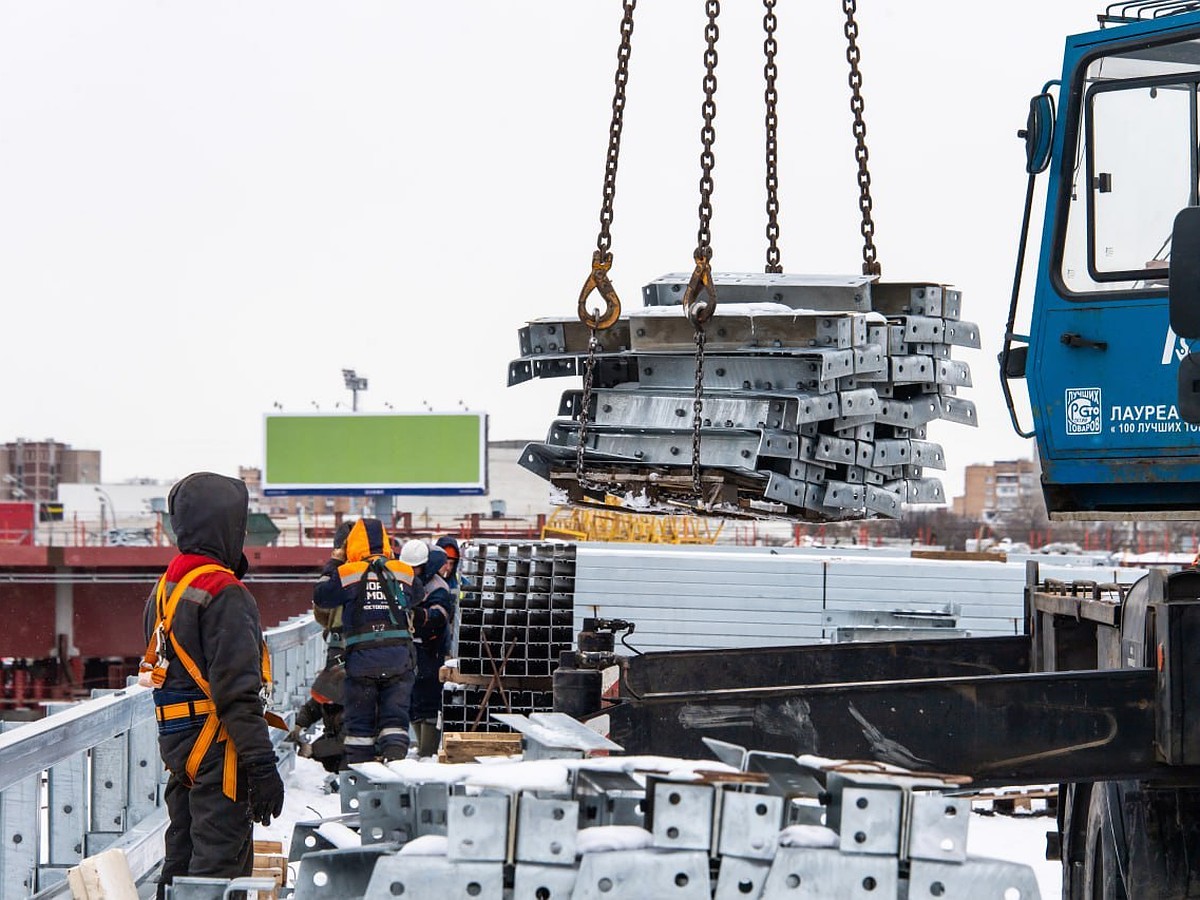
1135	166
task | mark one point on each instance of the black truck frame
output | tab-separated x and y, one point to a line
1101	694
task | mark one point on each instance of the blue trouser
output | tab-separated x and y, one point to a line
377	716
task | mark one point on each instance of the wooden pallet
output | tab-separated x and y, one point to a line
270	862
465	746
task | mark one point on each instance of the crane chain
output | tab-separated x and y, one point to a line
598	280
771	73
698	310
853	56
585	404
621	79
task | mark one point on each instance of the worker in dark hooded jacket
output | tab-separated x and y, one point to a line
210	666
432	619
369	587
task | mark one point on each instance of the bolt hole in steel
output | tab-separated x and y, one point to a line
377	833
542	893
947	845
792	881
310	841
397	888
745	887
320	879
761	809
681	879
861	803
672	833
474	889
468	810
605	885
376	803
558	813
1012	893
868	883
860	837
674	798
354	803
951	812
555	847
937	889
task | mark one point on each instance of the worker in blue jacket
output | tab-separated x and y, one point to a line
433	620
371	589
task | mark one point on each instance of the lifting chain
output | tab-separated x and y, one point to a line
598	280
771	72
853	56
585	403
699	310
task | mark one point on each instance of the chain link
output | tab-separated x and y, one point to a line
853	56
624	51
697	310
771	72
708	133
698	412
585	404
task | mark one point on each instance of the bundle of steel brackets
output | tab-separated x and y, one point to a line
816	396
764	825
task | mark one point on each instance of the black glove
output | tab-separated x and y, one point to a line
266	789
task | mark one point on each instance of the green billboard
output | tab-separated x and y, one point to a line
368	453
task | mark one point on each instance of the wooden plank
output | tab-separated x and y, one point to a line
464	746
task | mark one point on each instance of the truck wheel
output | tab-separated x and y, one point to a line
1101	880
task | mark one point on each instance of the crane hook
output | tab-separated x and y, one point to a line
598	281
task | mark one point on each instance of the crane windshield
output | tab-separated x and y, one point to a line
1134	167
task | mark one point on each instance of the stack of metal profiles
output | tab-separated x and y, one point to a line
515	619
767	826
817	392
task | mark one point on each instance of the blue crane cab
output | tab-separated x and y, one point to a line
1115	395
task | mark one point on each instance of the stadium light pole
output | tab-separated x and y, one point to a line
354	384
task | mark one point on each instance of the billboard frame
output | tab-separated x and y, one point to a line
359	489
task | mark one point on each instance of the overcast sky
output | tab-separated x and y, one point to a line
210	207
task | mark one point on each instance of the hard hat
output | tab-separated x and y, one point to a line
414	552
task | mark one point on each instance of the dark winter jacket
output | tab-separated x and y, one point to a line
432	619
216	622
377	640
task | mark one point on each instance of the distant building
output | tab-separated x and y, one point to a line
33	470
998	489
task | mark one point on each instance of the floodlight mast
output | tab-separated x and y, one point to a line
354	384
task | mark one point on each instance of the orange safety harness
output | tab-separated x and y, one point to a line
153	671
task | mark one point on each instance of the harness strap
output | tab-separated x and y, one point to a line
212	729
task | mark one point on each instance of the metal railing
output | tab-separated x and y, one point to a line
88	776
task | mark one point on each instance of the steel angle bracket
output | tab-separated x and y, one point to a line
549	336
908	299
962	334
671	409
721	449
533	881
814	873
809	292
925	490
858	402
910	413
953	372
828	448
928	454
869	358
890	452
782	489
913	369
954	409
882	501
952	304
744	328
801	371
432	876
637	874
840	495
923	329
334	874
976	877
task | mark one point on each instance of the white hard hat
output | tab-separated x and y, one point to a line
414	552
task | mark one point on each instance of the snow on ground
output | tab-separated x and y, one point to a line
1019	838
